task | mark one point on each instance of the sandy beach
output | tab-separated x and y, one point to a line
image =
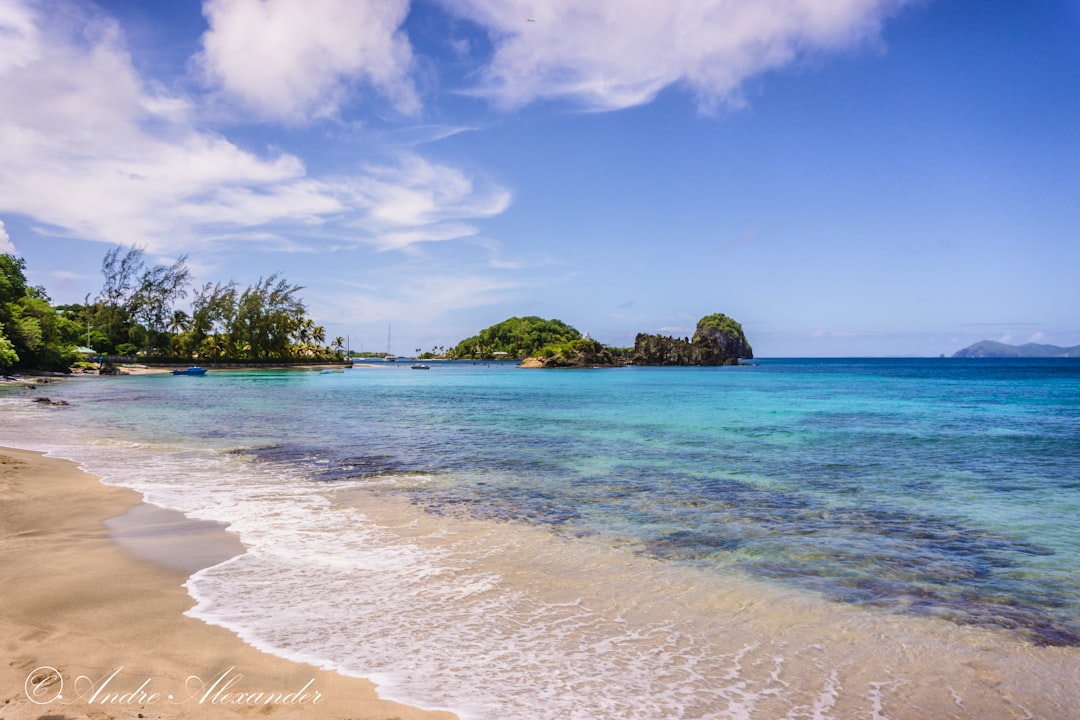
91	631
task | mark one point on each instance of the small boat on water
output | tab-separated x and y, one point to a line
420	366
193	370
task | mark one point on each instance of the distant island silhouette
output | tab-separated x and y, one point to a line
992	349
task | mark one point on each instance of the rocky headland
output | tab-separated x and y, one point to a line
718	340
583	353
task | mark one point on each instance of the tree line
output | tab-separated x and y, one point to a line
32	333
137	311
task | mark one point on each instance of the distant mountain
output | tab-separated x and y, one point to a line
991	349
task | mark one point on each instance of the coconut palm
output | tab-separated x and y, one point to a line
179	322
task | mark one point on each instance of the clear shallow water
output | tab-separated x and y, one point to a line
767	541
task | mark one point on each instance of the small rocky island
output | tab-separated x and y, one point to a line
717	340
582	353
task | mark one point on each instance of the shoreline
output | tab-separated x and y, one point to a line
89	628
420	602
36	377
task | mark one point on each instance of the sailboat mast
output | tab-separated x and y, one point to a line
389	355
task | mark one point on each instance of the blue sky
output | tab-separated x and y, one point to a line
844	177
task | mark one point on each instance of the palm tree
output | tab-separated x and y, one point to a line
304	331
214	346
179	322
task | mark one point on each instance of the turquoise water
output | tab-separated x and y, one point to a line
940	489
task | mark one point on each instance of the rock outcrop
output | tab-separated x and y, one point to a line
109	368
47	401
718	340
584	353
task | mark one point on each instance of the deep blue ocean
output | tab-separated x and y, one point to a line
940	493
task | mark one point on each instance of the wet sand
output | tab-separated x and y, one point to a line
92	623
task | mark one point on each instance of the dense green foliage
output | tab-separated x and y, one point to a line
517	337
566	349
583	352
8	356
136	313
264	321
719	322
32	333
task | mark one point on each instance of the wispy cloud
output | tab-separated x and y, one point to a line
423	297
993	325
69	275
822	334
296	60
610	54
90	149
6	246
416	200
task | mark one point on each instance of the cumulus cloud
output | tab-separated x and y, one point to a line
87	147
6	246
92	150
295	60
610	54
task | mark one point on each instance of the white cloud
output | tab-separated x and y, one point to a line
6	246
69	275
420	201
19	35
610	54
91	150
86	146
821	334
415	298
295	60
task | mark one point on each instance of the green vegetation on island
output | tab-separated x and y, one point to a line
718	340
136	314
583	352
515	338
711	325
539	343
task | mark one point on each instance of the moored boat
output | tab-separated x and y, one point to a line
193	370
389	356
